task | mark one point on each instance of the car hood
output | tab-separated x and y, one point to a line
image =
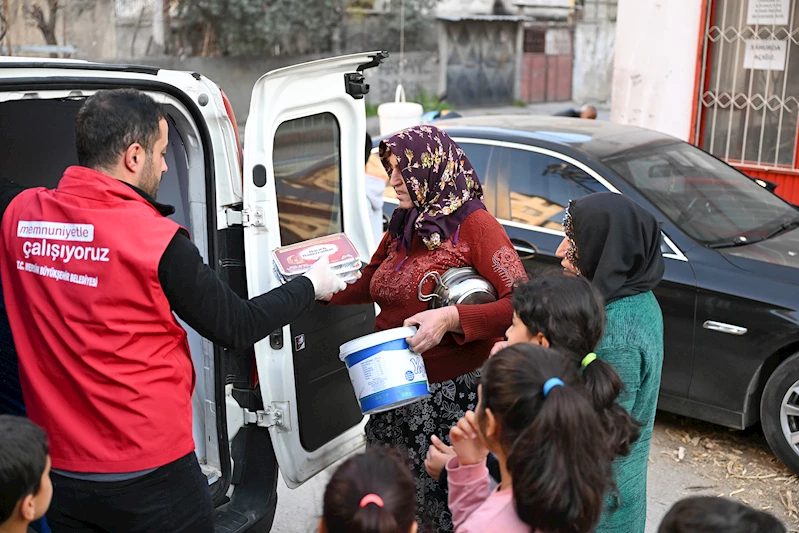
777	257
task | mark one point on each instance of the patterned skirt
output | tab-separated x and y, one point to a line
409	428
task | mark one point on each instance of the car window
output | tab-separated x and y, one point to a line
308	177
709	200
480	156
541	187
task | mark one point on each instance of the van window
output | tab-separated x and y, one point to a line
307	159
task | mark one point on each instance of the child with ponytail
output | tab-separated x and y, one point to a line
373	492
567	313
534	414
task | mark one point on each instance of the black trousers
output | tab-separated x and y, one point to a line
173	498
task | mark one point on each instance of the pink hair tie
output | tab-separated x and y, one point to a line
372	498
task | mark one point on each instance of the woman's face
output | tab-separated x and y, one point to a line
396	181
563	254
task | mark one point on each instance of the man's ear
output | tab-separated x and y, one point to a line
27	508
134	158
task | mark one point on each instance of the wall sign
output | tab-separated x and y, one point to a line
768	12
765	55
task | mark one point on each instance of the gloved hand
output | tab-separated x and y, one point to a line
325	281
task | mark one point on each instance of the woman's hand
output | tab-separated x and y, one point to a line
432	324
467	441
438	455
499	346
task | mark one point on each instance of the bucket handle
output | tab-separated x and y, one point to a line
400	92
427	297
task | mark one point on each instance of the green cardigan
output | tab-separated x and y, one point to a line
633	344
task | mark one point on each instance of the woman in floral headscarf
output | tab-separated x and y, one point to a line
441	223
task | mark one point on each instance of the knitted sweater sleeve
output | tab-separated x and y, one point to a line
494	258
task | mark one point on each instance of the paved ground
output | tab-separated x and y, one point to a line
713	461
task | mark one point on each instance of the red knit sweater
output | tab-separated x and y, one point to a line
480	243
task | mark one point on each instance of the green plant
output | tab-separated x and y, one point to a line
257	27
431	102
371	110
519	103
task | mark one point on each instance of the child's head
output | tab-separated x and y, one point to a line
534	412
25	488
373	492
707	514
567	313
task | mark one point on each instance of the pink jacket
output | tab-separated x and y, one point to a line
475	507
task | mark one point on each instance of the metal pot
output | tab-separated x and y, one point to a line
458	286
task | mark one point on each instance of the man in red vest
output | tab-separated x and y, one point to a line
92	272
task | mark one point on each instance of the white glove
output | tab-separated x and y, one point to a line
325	281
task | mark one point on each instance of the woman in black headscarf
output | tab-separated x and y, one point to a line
615	244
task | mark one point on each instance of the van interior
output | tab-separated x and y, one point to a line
37	135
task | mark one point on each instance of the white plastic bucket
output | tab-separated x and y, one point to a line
399	114
384	372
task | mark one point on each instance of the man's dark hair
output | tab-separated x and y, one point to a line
23	458
707	514
368	147
110	121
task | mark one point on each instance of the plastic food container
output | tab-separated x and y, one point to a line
384	372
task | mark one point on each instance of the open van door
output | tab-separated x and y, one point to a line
304	178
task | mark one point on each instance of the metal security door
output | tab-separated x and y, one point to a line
747	106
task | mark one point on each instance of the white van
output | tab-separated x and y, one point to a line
287	402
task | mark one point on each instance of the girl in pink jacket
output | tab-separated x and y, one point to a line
554	455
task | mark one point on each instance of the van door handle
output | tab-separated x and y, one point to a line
525	249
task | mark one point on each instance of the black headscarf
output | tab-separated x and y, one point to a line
616	244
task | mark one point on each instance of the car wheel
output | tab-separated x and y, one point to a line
779	412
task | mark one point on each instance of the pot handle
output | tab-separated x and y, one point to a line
427	297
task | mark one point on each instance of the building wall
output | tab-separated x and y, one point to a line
655	64
237	75
594	45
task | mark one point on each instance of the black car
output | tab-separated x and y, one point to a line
730	294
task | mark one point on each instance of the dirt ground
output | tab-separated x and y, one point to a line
690	458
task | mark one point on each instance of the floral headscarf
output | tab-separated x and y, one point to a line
441	182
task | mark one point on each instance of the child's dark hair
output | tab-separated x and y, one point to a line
708	514
378	472
23	459
558	454
569	312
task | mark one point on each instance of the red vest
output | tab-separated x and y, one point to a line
104	365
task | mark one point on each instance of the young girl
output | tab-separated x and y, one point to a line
565	313
533	413
706	514
372	492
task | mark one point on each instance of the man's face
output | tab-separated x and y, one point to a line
155	165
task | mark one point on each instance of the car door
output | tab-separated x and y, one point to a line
304	178
534	186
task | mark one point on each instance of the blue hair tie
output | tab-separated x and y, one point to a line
551	384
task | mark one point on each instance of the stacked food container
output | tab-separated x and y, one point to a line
294	260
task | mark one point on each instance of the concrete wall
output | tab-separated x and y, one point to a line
237	75
90	26
592	74
655	64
